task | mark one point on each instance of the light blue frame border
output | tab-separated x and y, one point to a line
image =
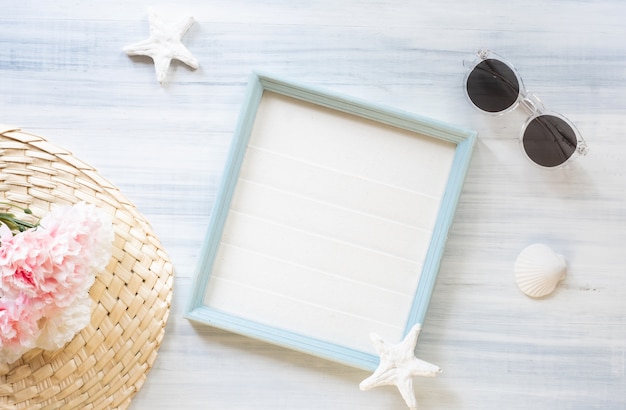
259	83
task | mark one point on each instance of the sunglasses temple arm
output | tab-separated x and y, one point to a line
469	63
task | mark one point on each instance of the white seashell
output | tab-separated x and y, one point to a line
538	269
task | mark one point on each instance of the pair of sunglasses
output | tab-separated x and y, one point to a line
548	139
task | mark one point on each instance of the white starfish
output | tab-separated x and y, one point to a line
398	365
164	45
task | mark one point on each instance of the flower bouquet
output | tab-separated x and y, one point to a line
46	271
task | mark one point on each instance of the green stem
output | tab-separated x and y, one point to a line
25	210
12	222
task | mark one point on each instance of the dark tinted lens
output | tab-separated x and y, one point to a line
492	86
549	141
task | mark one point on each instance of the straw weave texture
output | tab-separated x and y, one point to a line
107	362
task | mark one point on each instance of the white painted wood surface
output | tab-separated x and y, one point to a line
63	75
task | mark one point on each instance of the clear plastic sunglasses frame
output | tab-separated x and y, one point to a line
530	103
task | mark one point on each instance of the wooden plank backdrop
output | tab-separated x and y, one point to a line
63	75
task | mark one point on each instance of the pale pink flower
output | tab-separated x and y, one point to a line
46	273
84	229
18	322
58	329
25	265
5	233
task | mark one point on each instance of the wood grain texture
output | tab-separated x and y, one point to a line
63	75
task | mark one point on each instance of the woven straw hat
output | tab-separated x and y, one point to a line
107	362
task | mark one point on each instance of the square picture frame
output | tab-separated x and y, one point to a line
330	222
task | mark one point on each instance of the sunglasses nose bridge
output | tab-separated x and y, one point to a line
531	103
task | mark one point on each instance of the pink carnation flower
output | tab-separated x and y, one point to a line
26	266
46	271
18	327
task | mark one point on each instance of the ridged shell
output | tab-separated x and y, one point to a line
538	269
